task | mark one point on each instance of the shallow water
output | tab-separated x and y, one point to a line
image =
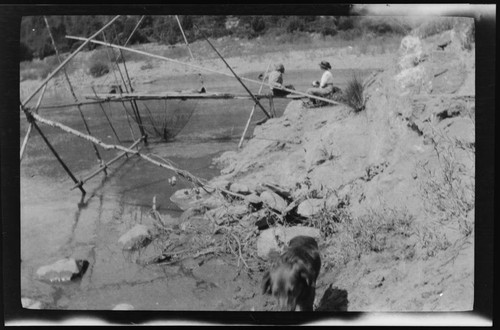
56	224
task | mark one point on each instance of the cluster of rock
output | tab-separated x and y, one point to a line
258	206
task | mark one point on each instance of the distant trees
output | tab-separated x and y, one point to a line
165	29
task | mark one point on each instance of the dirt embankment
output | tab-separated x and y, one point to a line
397	180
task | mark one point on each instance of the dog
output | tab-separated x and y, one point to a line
292	279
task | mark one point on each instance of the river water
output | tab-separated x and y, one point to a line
56	222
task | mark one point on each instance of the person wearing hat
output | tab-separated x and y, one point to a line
325	86
276	81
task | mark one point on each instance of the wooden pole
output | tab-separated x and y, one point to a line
135	29
111	61
71	88
26	137
133	103
253	110
171	95
105	165
134	111
50	76
107	119
203	68
75	180
238	78
189	48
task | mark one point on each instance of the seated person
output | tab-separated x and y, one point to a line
276	81
323	88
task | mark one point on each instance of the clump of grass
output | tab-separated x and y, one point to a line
382	229
449	188
98	69
147	66
354	94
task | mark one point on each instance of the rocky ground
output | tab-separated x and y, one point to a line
390	190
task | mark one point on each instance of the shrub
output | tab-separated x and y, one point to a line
353	94
98	69
448	189
328	30
387	228
295	24
258	25
345	23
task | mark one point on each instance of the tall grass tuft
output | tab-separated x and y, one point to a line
354	94
98	69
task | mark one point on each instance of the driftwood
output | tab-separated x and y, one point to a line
283	192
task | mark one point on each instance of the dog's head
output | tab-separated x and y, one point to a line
287	283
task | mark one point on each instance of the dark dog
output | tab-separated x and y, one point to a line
292	279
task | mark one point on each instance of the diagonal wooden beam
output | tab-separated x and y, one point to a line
30	127
253	110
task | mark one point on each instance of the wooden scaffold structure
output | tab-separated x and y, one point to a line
130	96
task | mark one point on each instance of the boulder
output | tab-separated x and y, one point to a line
310	207
253	199
221	184
273	200
186	198
268	239
136	237
239	188
63	270
212	202
332	202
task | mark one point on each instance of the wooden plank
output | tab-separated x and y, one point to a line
171	95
